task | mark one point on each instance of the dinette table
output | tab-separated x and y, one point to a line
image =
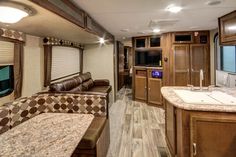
45	135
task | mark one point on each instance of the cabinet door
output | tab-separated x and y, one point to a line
199	60
140	87
170	127
213	136
181	65
154	91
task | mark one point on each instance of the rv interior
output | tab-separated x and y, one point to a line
116	78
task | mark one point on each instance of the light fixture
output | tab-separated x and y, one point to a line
156	30
173	8
11	12
101	41
232	28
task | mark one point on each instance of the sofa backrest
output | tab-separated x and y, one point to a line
23	109
71	83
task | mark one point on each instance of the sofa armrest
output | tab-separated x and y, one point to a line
5	118
102	82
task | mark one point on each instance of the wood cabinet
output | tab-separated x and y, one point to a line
199	133
181	65
146	87
212	135
154	91
141	87
188	59
227	29
147	42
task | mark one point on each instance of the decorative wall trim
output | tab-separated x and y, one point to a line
12	34
60	42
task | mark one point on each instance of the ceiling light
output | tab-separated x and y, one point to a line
213	2
174	9
13	12
156	30
232	28
101	41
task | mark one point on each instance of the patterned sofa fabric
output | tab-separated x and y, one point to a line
12	114
4	118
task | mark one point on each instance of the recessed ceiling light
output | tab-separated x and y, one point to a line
101	41
11	12
156	30
173	8
213	2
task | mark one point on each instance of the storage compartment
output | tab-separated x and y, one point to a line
155	42
140	42
182	38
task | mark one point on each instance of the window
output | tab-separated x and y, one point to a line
65	62
6	68
6	80
226	57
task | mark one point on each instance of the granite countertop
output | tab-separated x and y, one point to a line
46	135
169	94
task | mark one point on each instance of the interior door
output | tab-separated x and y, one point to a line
154	91
198	60
181	65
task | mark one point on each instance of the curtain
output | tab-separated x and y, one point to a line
47	64
18	69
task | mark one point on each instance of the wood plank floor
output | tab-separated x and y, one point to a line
137	130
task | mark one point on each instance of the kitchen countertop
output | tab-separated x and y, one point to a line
169	94
46	135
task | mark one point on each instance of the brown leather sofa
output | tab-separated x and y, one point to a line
81	83
95	142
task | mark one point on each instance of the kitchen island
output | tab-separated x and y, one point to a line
200	123
46	135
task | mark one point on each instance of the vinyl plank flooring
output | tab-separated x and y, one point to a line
137	130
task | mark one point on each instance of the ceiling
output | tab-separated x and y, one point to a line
45	23
127	18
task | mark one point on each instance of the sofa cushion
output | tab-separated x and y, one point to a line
102	89
65	85
77	89
4	118
92	134
88	84
86	76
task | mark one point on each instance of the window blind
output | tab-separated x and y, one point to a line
6	53
65	61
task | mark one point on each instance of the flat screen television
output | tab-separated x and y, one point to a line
148	58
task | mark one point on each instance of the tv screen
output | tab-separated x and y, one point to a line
148	58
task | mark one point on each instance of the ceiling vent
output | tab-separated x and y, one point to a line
213	2
162	23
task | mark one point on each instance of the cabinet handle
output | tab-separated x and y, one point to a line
149	88
194	149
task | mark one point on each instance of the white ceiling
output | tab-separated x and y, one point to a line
135	15
45	23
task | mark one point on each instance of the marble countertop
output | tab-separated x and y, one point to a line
46	135
169	94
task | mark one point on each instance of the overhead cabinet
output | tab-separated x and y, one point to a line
227	29
147	42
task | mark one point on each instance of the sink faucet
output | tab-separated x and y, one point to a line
201	78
